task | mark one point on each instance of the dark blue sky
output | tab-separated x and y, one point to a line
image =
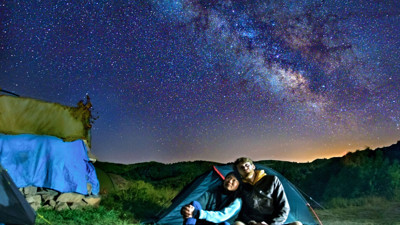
213	80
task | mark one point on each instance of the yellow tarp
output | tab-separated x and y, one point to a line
20	115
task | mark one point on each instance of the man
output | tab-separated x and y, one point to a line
220	206
263	196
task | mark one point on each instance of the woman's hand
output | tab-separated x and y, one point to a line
187	211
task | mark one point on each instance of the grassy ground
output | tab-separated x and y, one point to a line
380	214
87	216
137	201
388	214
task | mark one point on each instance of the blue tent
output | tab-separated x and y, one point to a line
298	206
49	162
14	209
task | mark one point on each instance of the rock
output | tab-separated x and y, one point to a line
50	199
30	190
47	198
48	192
92	201
61	206
70	197
47	207
78	205
89	188
51	203
34	199
35	205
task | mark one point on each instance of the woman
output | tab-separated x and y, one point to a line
220	206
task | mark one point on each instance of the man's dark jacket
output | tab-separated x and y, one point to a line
264	201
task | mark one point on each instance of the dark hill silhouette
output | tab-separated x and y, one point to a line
357	174
175	175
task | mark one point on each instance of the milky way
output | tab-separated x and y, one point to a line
213	80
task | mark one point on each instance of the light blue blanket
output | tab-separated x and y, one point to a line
47	161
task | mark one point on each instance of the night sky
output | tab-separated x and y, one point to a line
213	80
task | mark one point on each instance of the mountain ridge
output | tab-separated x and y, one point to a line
357	174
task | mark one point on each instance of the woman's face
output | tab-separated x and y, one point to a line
231	183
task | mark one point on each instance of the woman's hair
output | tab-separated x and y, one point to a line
231	174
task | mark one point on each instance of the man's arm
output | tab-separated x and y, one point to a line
281	205
223	215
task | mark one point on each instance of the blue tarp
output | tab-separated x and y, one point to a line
47	161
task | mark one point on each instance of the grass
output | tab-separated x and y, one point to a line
374	212
86	216
363	211
139	201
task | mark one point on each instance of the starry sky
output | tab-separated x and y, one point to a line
186	80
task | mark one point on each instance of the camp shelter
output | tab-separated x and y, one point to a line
298	206
14	209
46	144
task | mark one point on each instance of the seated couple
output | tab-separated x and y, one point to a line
259	199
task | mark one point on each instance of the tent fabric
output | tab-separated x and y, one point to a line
298	205
47	161
14	209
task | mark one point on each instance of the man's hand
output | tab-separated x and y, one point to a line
187	211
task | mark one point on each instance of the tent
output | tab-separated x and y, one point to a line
14	209
49	162
298	206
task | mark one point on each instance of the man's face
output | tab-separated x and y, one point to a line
245	169
231	183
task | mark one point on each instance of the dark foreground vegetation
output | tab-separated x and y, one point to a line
362	187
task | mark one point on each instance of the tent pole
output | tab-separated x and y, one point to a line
9	92
219	173
315	214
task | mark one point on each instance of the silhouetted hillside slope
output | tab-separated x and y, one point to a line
175	175
357	174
